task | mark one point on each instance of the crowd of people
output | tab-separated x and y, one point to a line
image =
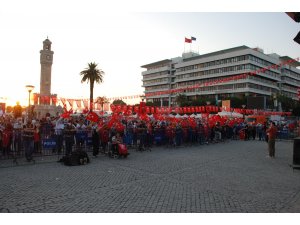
25	136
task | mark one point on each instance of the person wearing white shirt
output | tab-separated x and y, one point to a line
81	134
58	130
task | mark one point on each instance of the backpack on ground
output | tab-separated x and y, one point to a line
76	158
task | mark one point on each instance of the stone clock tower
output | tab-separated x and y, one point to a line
46	60
45	102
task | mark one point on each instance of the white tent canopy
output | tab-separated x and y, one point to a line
230	114
198	116
177	116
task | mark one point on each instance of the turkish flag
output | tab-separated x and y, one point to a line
65	115
92	116
187	40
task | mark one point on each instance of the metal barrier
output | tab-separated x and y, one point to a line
288	135
47	146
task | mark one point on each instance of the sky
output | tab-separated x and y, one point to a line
121	36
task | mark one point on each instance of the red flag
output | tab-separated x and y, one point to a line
35	98
187	40
85	110
54	100
92	116
65	115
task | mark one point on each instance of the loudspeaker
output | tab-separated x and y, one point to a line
297	38
297	17
296	152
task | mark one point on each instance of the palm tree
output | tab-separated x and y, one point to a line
102	100
92	74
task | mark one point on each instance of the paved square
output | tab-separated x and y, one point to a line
235	176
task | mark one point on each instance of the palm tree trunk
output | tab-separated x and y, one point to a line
91	95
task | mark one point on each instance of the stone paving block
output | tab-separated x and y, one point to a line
226	177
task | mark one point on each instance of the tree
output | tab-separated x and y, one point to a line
181	100
118	102
102	100
286	103
236	102
92	74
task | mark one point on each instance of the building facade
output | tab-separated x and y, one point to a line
193	69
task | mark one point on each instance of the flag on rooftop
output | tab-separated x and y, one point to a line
193	38
187	40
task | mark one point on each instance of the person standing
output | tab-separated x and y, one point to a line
59	128
17	136
28	131
272	132
95	139
69	133
104	137
81	134
37	140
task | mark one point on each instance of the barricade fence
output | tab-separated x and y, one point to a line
13	146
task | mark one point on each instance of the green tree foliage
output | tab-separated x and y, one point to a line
181	100
119	102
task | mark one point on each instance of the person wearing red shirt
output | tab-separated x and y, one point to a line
272	132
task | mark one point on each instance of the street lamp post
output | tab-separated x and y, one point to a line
29	89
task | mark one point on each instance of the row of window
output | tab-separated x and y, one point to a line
214	63
227	61
289	87
289	94
262	80
154	75
158	66
216	88
195	82
261	61
226	70
291	73
156	81
233	86
296	82
157	87
260	87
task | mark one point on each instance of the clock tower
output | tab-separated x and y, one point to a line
46	60
45	102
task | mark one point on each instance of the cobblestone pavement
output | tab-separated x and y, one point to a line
235	176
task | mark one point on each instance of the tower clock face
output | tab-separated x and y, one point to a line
48	57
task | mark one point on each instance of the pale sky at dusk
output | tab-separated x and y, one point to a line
122	38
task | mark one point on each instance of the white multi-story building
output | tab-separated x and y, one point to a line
192	69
